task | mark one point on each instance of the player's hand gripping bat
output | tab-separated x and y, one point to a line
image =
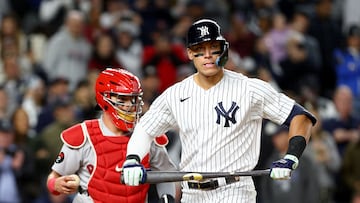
153	177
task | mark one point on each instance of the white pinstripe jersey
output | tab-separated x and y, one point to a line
220	127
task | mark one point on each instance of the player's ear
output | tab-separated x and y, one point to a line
190	53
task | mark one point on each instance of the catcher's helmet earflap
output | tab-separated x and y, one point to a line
117	83
207	30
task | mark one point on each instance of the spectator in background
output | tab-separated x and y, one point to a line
345	130
11	163
103	53
57	88
166	57
327	32
302	187
48	143
150	85
180	28
53	12
350	14
129	48
64	117
277	37
347	64
84	101
351	170
28	47
264	66
345	127
242	39
10	30
310	97
27	177
300	22
327	157
5	7
117	11
5	113
156	17
14	82
297	70
33	102
93	27
68	51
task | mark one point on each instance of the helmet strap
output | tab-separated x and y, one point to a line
224	56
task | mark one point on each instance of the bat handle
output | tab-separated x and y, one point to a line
122	181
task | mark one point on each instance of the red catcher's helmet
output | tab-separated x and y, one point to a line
119	82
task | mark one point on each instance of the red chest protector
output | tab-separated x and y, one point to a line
104	184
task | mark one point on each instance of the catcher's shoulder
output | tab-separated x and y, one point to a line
74	136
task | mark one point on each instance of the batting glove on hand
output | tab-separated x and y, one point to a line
281	169
133	172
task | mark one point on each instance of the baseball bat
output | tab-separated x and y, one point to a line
153	177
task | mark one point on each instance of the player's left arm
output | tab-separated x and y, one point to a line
300	122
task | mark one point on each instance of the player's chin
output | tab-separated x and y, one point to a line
208	72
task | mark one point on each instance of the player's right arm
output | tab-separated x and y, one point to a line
156	121
58	184
139	145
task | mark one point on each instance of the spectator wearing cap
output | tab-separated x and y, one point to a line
347	64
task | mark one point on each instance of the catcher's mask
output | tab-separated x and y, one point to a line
208	30
119	93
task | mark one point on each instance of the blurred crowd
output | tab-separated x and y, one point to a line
52	50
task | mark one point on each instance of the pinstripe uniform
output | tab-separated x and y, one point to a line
219	128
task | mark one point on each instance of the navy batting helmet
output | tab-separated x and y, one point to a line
208	30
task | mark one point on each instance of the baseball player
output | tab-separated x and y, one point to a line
219	116
95	150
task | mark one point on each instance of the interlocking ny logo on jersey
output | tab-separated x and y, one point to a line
229	115
204	30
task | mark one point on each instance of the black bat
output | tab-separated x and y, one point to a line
153	177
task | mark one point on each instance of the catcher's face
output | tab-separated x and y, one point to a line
204	56
127	107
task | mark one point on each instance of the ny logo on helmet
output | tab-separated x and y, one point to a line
204	30
229	115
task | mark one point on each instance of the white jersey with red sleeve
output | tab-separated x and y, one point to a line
80	159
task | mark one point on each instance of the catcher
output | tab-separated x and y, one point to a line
95	150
